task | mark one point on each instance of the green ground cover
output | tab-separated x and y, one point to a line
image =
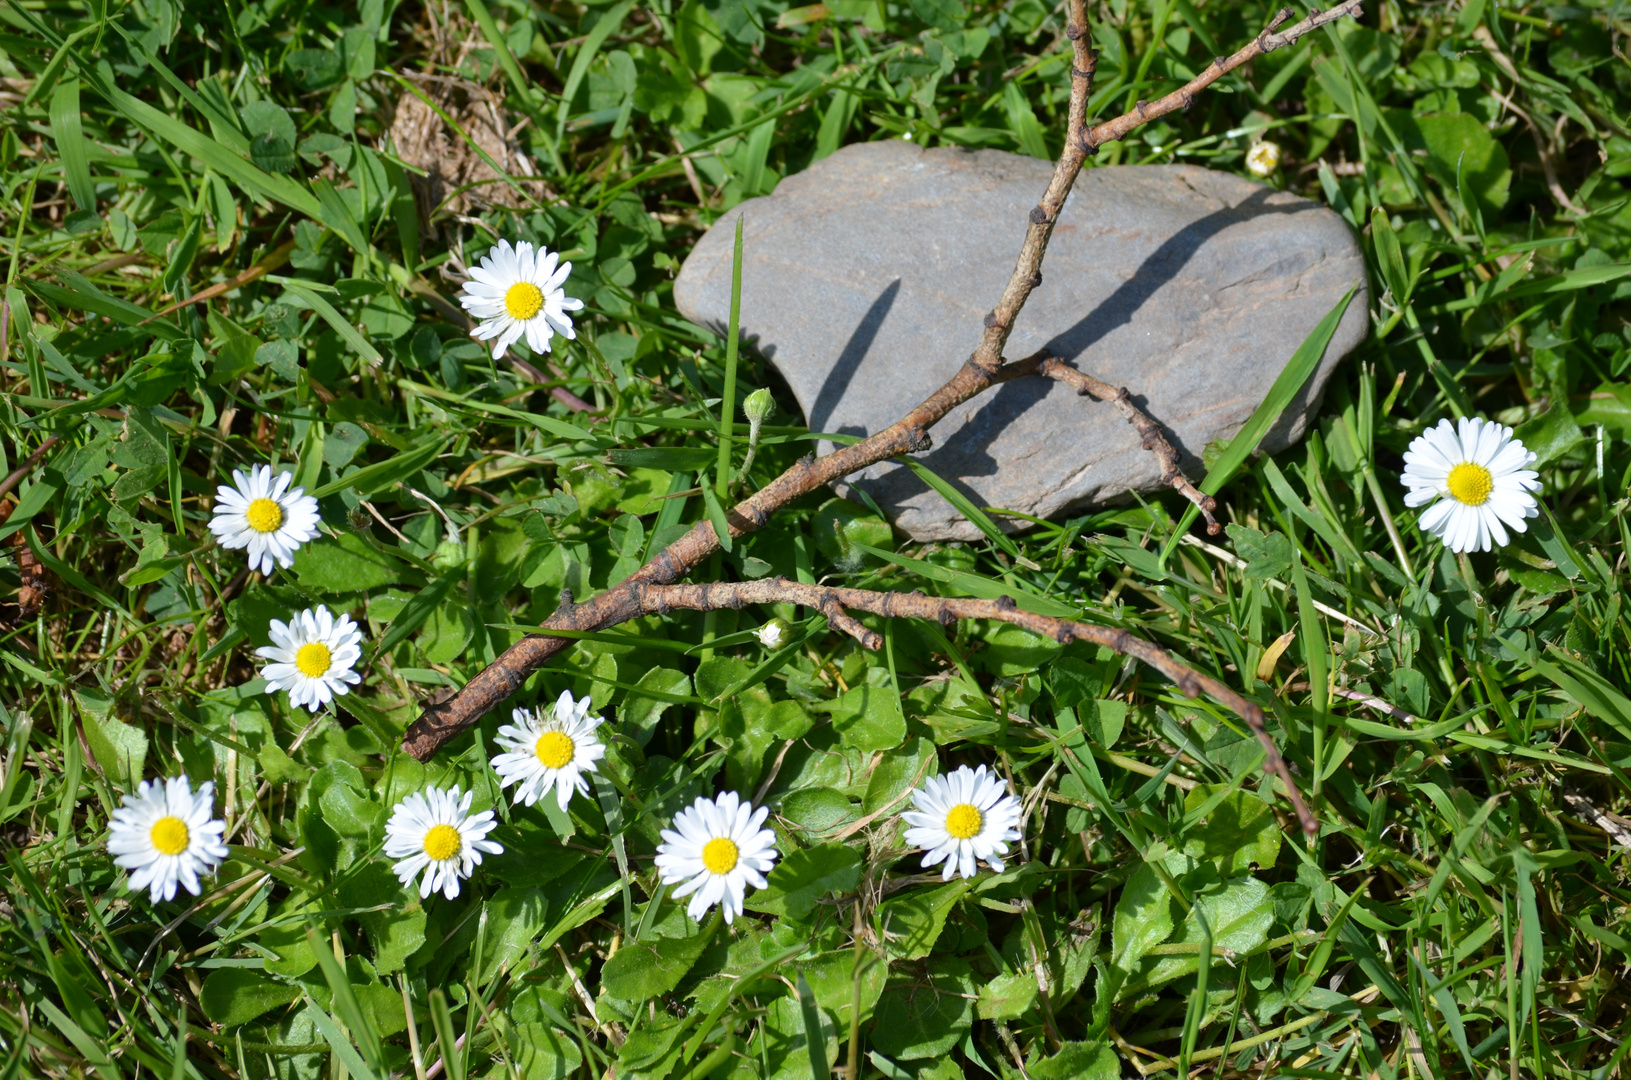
1461	726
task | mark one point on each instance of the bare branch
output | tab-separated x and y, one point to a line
1148	430
715	596
1184	96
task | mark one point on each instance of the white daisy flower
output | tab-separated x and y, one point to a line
960	818
549	748
515	292
717	847
1263	159
264	514
164	835
1476	472
312	656
436	832
773	634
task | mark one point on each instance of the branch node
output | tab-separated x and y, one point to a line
1036	279
563	608
991	320
1039	216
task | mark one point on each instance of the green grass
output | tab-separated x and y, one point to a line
1462	912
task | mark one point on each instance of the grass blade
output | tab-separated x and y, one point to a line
1297	371
70	140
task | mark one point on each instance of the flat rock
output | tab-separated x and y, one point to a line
866	278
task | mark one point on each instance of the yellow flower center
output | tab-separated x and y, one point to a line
523	300
963	821
313	659
442	842
719	855
554	749
264	515
1470	484
170	835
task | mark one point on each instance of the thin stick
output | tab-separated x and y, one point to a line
1148	430
273	261
836	603
1184	96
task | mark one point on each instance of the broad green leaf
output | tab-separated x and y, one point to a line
833	975
1239	832
1144	918
869	718
928	1018
912	923
802	878
234	996
1078	1061
344	564
896	772
644	969
1006	997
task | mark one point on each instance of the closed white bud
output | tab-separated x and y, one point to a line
1263	159
773	634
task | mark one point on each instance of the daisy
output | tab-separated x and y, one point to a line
515	292
312	656
960	818
717	848
549	748
264	514
435	832
1476	473
164	835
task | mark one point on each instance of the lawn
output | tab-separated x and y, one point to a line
236	236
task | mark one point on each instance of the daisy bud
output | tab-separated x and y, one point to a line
773	634
1263	159
756	406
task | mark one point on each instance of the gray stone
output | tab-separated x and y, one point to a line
866	278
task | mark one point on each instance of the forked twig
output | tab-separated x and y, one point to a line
1154	439
985	368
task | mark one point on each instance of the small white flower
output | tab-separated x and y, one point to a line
549	748
1263	158
435	832
773	634
717	848
514	292
264	514
960	818
165	836
312	656
1476	472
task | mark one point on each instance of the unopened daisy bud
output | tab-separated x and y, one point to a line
359	520
1263	159
773	634
756	406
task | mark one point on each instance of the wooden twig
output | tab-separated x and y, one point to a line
1184	96
32	591
1149	431
273	261
836	603
985	368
